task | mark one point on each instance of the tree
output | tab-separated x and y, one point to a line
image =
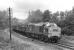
62	15
70	17
55	17
46	15
68	24
73	10
3	19
35	16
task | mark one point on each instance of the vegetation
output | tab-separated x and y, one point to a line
35	16
62	19
3	19
46	16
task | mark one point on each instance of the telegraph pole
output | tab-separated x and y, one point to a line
9	10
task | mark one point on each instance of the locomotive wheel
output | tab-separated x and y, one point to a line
54	39
40	37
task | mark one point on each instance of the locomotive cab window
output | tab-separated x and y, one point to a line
46	30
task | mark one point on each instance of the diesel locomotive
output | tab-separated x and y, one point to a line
46	32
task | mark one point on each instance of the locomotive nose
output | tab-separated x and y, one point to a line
54	39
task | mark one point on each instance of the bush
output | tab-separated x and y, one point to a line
69	30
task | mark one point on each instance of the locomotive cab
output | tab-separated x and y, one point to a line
54	32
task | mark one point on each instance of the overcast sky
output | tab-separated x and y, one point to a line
21	7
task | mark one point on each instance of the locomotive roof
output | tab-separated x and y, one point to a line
37	24
42	23
50	24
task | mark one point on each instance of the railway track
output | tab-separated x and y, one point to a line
64	45
60	44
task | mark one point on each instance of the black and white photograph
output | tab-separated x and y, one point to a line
36	24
